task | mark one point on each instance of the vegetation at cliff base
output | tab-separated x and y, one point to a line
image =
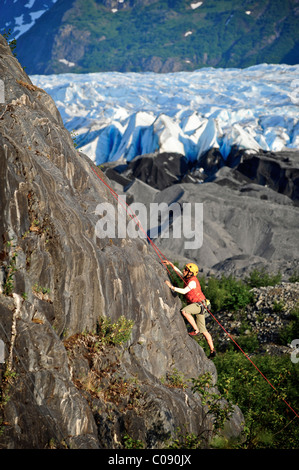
269	421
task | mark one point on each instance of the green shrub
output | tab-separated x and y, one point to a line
184	440
262	278
212	401
294	277
249	343
278	306
227	293
114	333
175	380
130	443
11	42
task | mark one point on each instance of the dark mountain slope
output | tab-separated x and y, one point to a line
160	36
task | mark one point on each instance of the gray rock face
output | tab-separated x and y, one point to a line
58	278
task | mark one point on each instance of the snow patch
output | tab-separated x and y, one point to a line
195	5
24	22
66	62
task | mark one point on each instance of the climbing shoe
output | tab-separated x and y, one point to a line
193	333
212	354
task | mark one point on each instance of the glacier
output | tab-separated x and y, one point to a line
118	116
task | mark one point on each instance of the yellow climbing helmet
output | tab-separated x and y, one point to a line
193	268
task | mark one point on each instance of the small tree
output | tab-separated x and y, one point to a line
214	403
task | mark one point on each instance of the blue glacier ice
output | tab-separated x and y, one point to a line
117	116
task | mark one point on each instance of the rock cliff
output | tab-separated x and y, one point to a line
66	387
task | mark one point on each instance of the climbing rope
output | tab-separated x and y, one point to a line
133	216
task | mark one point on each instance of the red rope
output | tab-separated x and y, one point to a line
132	215
160	255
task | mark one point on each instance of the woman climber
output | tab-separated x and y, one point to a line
196	302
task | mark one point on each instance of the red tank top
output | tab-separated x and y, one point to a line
194	295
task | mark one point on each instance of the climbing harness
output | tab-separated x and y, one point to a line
160	255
